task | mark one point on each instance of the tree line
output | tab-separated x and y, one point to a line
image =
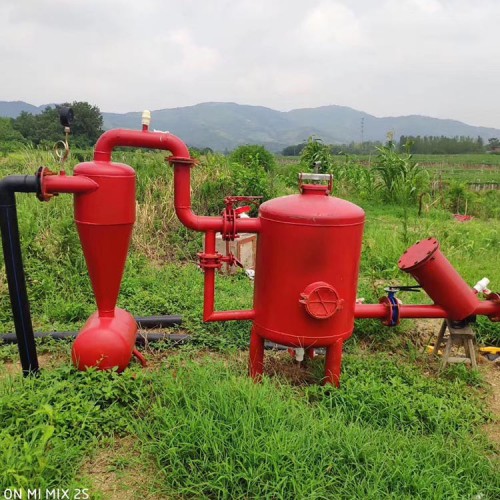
414	144
45	129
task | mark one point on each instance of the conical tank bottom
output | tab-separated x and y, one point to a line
105	249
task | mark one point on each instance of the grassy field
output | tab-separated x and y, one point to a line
473	168
192	425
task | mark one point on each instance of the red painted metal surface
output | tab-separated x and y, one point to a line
138	139
432	270
305	240
106	342
61	183
105	218
321	300
182	163
308	256
210	260
182	203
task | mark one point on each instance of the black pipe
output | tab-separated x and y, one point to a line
143	322
158	321
10	338
14	266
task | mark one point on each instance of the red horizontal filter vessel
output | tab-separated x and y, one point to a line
433	271
308	256
104	219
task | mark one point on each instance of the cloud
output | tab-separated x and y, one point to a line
392	57
194	58
331	25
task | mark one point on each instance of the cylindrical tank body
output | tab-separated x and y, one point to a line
433	271
105	218
308	256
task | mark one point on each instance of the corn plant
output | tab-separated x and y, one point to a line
316	155
400	178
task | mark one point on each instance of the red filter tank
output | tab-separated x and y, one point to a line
308	256
105	218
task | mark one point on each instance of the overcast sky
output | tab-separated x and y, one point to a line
438	58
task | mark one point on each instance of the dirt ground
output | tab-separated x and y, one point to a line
491	374
116	473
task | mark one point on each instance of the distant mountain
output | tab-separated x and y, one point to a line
12	109
223	125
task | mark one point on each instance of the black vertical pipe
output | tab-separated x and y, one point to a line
14	267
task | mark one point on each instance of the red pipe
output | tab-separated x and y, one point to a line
209	291
381	311
182	162
182	203
139	139
68	184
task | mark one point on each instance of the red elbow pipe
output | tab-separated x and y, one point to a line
139	139
182	203
182	162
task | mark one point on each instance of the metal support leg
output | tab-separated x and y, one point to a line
439	339
333	362
256	366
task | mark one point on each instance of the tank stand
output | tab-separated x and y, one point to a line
460	335
333	360
333	363
256	365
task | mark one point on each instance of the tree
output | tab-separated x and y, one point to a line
294	150
88	124
45	128
10	139
493	144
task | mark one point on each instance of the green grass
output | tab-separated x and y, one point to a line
211	432
393	430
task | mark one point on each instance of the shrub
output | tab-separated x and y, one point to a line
251	155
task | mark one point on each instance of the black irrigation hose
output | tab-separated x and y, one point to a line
144	322
142	339
158	321
14	267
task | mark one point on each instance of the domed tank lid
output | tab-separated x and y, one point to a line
104	168
313	207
